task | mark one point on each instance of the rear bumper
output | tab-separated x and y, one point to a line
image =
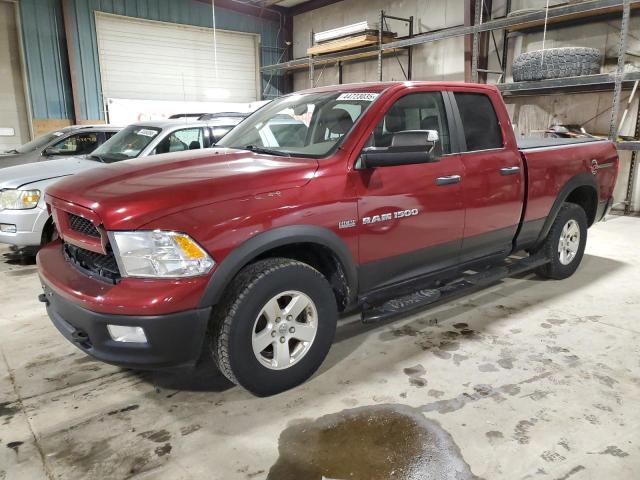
28	224
173	340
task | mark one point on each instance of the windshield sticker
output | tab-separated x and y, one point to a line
146	132
358	96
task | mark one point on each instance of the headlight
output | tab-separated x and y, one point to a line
19	199
159	254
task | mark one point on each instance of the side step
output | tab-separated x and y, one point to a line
421	298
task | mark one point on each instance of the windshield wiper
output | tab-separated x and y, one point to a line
96	157
266	151
12	151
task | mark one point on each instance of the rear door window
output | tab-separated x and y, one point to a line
186	139
479	121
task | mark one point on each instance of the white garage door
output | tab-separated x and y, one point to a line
149	60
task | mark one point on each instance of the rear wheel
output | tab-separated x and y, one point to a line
275	326
565	243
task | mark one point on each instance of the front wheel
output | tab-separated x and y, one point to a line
275	326
565	243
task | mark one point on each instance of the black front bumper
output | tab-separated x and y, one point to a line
173	340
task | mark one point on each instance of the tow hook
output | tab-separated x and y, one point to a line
43	298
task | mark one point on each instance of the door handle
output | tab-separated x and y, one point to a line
448	180
509	170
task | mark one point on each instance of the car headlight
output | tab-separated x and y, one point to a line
159	254
19	199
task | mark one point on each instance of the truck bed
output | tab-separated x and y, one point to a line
528	143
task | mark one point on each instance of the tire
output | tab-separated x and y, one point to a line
570	216
556	63
245	313
49	233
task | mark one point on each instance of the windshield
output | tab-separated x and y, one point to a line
308	125
126	144
37	143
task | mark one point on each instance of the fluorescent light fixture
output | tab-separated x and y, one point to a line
345	31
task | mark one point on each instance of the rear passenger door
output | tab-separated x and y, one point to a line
493	183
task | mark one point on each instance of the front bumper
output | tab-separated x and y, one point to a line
81	307
29	226
173	340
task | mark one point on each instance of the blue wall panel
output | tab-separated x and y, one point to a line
51	95
46	59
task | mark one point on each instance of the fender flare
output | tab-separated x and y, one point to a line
580	180
278	237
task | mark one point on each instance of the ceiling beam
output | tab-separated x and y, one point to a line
273	13
310	5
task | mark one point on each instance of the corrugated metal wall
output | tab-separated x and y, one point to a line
46	59
46	52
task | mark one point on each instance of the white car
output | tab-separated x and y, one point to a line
24	220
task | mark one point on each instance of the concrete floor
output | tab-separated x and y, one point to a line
527	379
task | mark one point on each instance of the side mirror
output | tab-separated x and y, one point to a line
408	147
50	152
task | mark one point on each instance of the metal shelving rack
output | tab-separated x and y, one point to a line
585	10
352	55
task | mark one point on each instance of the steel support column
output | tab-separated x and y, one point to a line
622	53
633	166
380	29
476	40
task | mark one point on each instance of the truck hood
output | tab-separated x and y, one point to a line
19	175
129	194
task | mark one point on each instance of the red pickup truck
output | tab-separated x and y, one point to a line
378	198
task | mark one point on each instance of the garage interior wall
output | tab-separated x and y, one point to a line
14	122
48	69
47	64
442	60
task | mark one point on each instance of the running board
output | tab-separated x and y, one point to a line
422	298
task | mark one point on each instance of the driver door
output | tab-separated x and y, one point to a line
411	216
77	144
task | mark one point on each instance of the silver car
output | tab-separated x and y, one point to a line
66	142
24	220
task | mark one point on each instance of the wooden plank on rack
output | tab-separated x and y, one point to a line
569	18
347	43
346	58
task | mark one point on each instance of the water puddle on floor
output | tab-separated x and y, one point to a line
369	443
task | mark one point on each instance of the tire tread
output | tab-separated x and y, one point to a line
234	296
558	63
554	269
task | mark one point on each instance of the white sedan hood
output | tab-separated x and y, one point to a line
20	175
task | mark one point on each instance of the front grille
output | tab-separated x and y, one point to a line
82	225
95	264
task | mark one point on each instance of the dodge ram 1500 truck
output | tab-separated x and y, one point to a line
378	198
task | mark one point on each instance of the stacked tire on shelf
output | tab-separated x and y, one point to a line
556	63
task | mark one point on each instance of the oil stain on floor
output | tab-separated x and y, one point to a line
369	443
